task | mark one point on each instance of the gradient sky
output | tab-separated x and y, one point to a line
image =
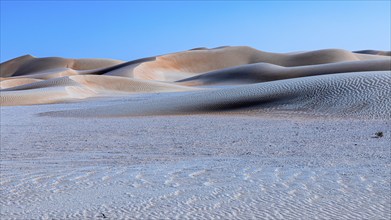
130	30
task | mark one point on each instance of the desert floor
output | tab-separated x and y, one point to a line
201	166
220	133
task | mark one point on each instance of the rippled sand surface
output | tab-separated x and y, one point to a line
192	167
330	81
227	133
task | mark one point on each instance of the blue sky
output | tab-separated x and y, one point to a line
129	30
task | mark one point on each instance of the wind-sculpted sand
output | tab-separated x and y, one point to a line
192	167
355	94
222	133
331	81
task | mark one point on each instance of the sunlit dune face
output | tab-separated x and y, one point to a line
9	83
213	80
188	63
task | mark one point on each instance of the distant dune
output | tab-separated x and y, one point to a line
331	81
222	133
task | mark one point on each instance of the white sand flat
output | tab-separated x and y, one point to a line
186	167
222	133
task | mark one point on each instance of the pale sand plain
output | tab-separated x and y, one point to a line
226	133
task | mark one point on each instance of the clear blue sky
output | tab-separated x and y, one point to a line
130	30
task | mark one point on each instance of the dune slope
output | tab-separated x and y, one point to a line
224	79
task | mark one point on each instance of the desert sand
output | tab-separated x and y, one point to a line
331	81
222	133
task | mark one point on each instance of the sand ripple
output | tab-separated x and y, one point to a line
246	134
198	189
331	81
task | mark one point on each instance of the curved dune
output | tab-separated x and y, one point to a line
186	64
45	95
9	67
28	64
360	93
329	81
9	83
120	84
374	52
74	88
264	72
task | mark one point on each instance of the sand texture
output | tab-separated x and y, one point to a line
210	166
221	133
201	80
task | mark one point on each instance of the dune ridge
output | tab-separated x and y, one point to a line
330	81
264	72
220	133
364	93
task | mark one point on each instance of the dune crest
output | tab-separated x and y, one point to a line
330	81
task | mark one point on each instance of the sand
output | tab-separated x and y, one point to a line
222	133
268	166
259	76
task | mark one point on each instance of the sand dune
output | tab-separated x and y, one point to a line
45	96
182	65
13	82
374	52
331	81
364	93
28	64
226	133
264	72
73	88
